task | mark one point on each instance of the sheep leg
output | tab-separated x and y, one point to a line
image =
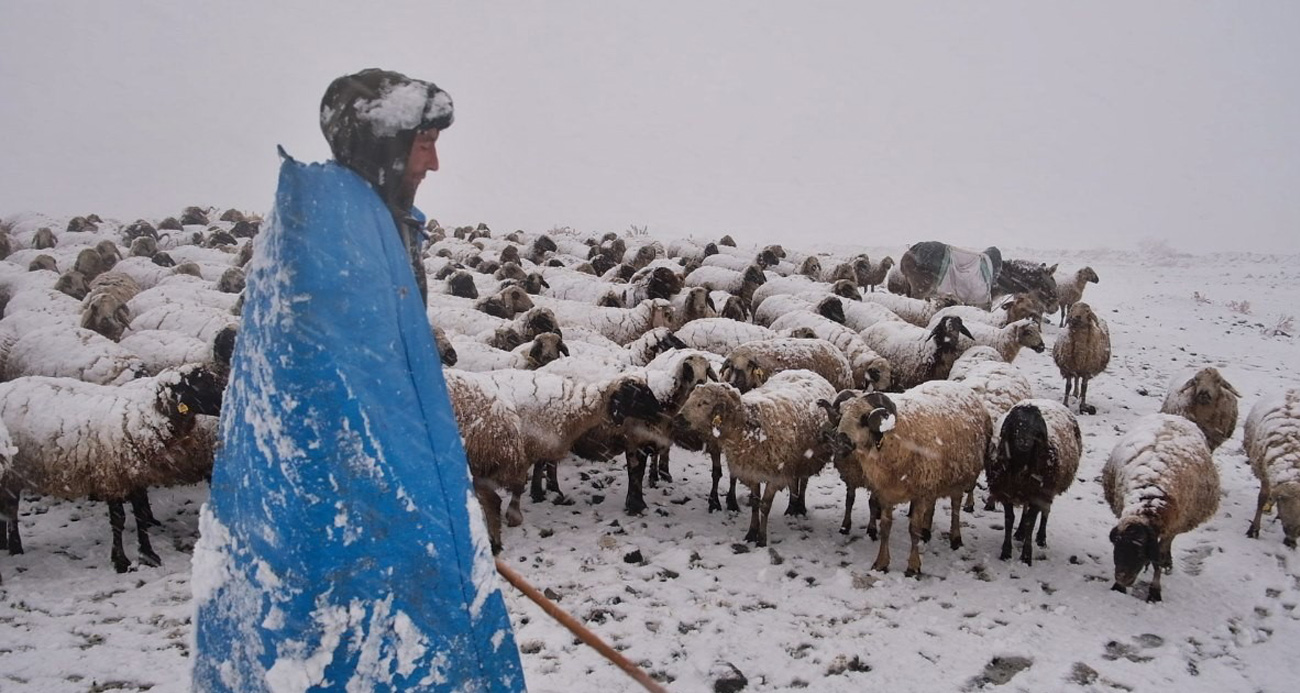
873	517
914	529
714	503
1009	520
752	534
1068	383
117	520
954	532
9	537
1041	538
537	491
796	505
515	514
732	505
139	500
488	499
1253	532
886	524
1026	526
636	464
850	493
765	510
661	467
1064	308
1027	521
1083	398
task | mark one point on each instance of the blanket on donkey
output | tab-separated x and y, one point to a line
966	275
342	546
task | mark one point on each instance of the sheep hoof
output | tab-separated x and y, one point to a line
496	548
1288	542
121	565
925	535
1087	409
714	504
912	573
663	475
1252	531
1006	553
561	499
732	505
955	543
150	559
537	494
1153	595
1027	558
873	533
844	529
634	506
1119	588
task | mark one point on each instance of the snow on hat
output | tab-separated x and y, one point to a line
370	120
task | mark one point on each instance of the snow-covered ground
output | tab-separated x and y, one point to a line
679	591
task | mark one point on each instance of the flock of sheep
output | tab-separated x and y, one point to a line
115	341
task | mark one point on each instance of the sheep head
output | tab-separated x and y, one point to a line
832	309
754	275
537	320
107	315
547	347
1208	386
534	283
846	288
1086	274
610	299
1022	440
446	352
1287	498
190	390
1029	334
945	334
72	283
1136	545
811	267
43	262
144	246
660	312
1081	317
743	372
866	421
713	409
89	263
510	270
880	375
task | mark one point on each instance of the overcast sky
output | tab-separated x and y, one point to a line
1047	124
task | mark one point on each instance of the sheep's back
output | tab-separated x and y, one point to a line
1163	461
788	444
1271	437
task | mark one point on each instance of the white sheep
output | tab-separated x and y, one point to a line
1206	399
77	440
1160	481
917	354
64	351
1037	454
741	284
917	311
1081	352
1271	437
1070	286
201	322
751	364
622	325
1006	340
476	356
772	436
721	335
871	370
931	443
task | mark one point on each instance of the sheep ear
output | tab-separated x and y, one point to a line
712	374
1052	269
963	330
564	348
726	370
708	301
1114	534
1228	386
535	353
688	372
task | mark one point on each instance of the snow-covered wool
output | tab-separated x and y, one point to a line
1008	309
1037	455
1007	340
742	284
871	370
159	350
16	278
1160	481
478	357
44	301
917	311
998	384
64	351
789	285
1081	352
497	332
144	270
232	281
79	440
772	436
203	322
493	434
735	263
721	335
1206	399
596	357
691	250
1271	437
1070	286
180	289
932	443
859	315
917	354
622	325
751	364
777	305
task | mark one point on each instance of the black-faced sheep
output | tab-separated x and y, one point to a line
1037	455
1081	352
1271	437
78	440
1207	400
1160	481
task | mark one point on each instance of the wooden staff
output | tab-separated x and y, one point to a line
568	621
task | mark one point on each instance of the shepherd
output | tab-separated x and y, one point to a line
342	547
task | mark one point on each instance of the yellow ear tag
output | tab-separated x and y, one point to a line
182	408
717	420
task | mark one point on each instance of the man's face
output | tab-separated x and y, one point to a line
423	158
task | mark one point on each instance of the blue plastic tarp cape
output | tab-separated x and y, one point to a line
342	548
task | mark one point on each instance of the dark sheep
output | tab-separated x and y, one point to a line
162	259
139	229
44	239
43	262
194	215
461	283
1036	459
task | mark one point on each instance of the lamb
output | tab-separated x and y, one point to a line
917	355
1208	401
871	370
1271	438
751	364
78	440
933	442
1160	481
771	436
1069	290
877	275
1082	352
1038	451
